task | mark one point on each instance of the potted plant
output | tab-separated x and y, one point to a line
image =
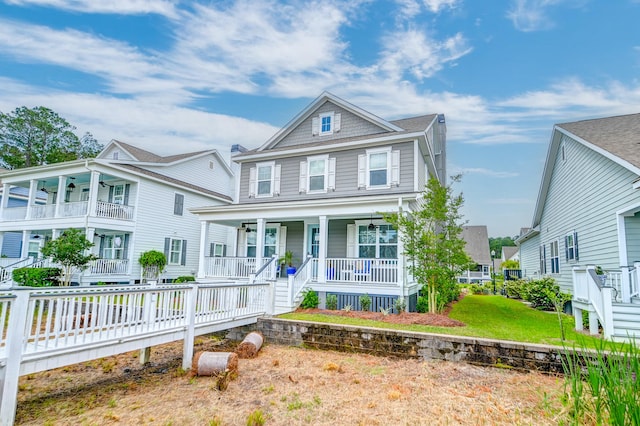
153	263
602	274
287	259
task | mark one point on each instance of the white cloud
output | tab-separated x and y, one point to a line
411	8
482	171
121	7
534	15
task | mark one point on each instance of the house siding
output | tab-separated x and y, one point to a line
632	225
338	237
351	125
585	192
529	257
346	177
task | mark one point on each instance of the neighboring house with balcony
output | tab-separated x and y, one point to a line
127	200
588	214
318	188
476	240
11	244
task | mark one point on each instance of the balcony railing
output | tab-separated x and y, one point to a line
75	209
230	267
43	211
108	267
114	211
14	213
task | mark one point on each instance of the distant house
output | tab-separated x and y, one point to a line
510	253
126	200
477	247
11	242
588	214
317	188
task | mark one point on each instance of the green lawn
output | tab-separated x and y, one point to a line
493	317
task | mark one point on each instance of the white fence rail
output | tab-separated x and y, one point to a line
230	267
48	328
108	267
114	211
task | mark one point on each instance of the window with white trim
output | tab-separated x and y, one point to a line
381	242
264	180
175	252
571	246
118	194
543	259
317	174
379	168
251	243
325	123
554	257
113	247
216	250
270	241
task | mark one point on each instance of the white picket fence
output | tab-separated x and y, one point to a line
42	329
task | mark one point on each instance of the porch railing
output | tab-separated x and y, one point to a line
114	211
301	278
14	213
6	272
43	211
74	209
588	287
361	270
108	266
230	267
267	272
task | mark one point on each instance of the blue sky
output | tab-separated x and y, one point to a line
173	76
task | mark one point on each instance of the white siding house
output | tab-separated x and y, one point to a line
586	215
128	201
317	188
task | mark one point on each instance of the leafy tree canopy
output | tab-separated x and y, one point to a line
69	251
496	243
433	244
38	136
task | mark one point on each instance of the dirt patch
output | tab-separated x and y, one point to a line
286	386
436	320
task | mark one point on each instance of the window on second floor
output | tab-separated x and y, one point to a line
264	180
178	204
379	168
317	174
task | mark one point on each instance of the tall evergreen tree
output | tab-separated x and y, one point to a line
433	244
38	136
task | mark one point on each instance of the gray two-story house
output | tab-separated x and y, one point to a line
318	188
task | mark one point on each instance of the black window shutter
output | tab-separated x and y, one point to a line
183	260
125	253
211	249
111	194
566	248
178	204
167	243
126	194
575	244
100	252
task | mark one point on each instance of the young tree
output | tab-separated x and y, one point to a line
33	137
433	244
69	251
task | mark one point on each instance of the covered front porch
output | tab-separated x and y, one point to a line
348	249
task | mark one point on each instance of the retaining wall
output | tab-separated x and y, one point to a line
406	344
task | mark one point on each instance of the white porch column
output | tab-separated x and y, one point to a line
25	244
93	193
61	194
1	242
204	233
259	242
625	285
322	249
6	189
33	187
90	234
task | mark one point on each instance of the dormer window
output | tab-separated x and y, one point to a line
115	155
326	123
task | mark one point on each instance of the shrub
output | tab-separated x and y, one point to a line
365	302
153	262
400	305
332	302
184	279
541	293
516	288
37	277
423	304
309	299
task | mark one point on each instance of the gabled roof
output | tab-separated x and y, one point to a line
616	138
161	177
142	156
319	101
509	251
477	247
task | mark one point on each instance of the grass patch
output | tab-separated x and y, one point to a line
491	317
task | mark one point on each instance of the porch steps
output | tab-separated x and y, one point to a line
626	320
282	297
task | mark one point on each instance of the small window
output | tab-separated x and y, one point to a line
118	194
211	165
115	155
178	204
326	124
84	195
216	250
554	257
378	167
